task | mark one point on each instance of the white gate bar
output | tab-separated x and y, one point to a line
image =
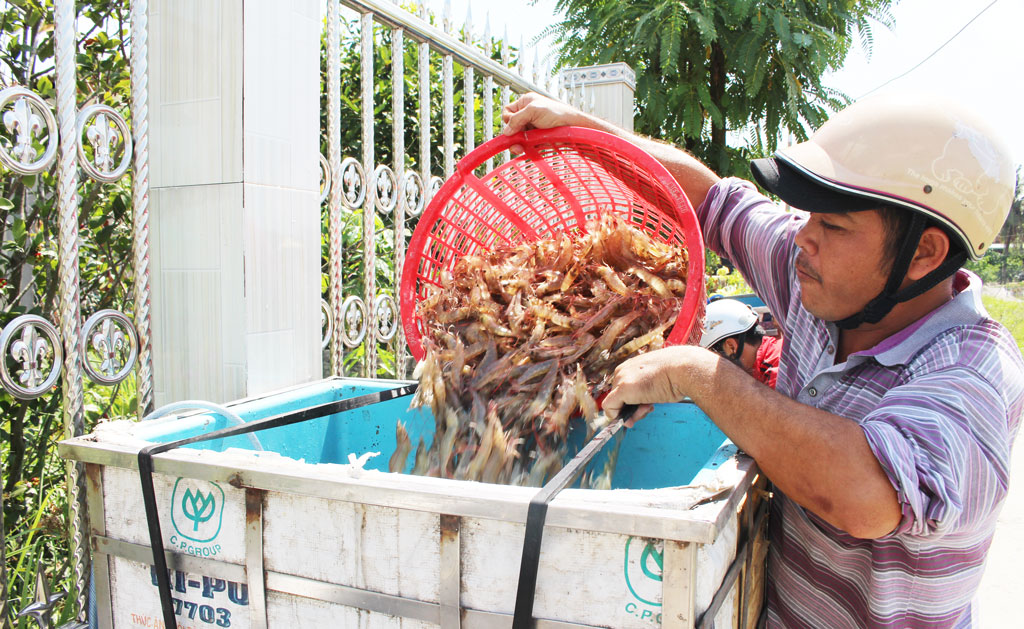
488	92
140	196
336	261
448	109
68	278
521	61
506	91
469	90
424	79
398	152
369	203
442	41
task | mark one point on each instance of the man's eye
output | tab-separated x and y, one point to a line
831	226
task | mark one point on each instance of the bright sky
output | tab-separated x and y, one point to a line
523	19
983	66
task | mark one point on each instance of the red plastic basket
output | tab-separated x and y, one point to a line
566	177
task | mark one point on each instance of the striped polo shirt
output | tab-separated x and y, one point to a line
940	403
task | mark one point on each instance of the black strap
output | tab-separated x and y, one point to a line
285	419
877	308
538	511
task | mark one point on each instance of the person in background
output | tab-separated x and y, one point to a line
731	328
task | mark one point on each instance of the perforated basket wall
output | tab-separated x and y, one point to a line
565	177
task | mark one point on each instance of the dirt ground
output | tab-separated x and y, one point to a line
1003	584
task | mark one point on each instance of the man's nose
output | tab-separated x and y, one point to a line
806	240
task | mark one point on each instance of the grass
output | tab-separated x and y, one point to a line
1010	314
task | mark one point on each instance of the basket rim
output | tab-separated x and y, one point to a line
684	215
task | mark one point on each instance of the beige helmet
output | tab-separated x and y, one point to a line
917	152
913	151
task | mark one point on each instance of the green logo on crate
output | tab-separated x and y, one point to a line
197	510
642	571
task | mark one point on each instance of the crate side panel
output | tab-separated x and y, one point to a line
713	562
197	517
199	601
286	610
583	577
393	551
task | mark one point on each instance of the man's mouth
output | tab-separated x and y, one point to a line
804	270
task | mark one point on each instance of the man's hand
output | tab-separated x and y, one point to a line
813	456
652	378
533	111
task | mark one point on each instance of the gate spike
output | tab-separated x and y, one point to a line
41	608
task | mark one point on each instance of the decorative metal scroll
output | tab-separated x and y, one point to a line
32	342
325	178
415	196
435	186
386	317
353	321
326	323
353	183
385	192
106	131
111	347
26	119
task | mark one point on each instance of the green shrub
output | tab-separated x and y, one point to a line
1010	313
722	279
1000	267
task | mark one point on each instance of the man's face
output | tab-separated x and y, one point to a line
841	264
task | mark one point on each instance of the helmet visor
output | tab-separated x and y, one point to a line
802	192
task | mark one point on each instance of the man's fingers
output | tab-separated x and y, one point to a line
641	411
517	121
508	111
612	404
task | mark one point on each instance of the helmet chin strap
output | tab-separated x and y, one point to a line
877	308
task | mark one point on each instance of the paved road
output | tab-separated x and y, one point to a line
1002	587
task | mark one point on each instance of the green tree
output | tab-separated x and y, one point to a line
706	68
1013	229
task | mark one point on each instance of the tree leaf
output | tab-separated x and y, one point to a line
18	230
782	27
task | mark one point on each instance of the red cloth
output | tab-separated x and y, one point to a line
766	365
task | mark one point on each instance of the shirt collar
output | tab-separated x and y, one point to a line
964	308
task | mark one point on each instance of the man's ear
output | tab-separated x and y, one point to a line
931	252
729	346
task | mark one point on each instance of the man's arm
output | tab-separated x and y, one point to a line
533	111
821	460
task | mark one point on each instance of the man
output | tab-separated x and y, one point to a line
888	436
731	329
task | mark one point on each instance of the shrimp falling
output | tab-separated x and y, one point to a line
522	338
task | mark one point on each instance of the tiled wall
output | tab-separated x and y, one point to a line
235	232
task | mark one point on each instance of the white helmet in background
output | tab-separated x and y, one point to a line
725	318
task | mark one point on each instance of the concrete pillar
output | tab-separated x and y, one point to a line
605	91
235	213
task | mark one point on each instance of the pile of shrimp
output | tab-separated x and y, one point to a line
520	339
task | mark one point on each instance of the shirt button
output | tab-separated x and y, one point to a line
812	392
830	350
